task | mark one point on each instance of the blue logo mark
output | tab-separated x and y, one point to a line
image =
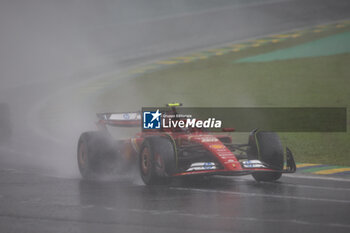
151	120
208	165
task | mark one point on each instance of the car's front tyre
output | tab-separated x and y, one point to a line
157	160
266	147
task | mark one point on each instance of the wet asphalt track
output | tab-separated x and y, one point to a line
31	201
35	203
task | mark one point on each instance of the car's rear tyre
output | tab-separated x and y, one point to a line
5	123
266	147
157	160
96	155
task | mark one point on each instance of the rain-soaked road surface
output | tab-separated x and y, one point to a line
36	203
34	200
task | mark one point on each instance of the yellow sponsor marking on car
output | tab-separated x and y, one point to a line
217	146
332	171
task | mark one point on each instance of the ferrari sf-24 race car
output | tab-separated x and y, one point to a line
167	153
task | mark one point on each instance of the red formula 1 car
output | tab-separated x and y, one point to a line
164	154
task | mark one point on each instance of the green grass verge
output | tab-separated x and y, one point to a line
219	82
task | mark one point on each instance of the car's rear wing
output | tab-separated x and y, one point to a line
121	119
